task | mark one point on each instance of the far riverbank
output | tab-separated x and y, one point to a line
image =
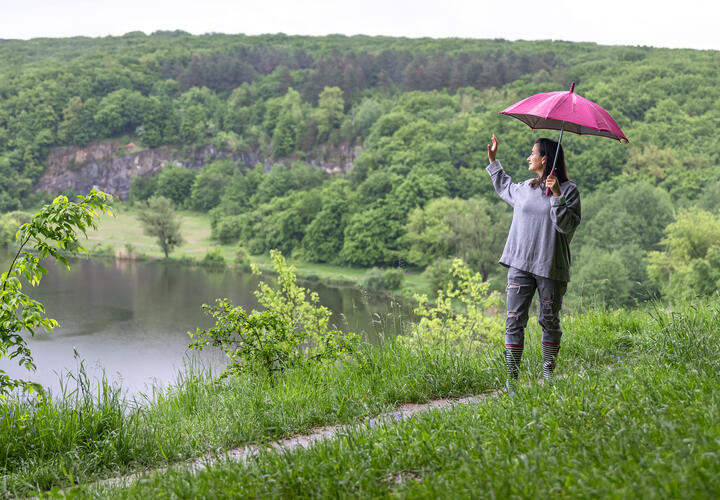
122	235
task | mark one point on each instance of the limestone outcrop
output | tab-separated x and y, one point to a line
111	166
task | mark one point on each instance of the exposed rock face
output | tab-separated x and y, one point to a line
111	166
106	165
334	159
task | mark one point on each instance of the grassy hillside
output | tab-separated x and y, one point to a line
633	412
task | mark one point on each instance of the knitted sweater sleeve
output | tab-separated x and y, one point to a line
565	209
502	182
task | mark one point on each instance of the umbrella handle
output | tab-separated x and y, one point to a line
552	170
547	189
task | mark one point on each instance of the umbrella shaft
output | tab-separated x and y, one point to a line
557	151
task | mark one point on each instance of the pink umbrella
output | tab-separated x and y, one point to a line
565	111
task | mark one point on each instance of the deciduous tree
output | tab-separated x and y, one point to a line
160	221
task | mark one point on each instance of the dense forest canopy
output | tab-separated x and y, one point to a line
420	112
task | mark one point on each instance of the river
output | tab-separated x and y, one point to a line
130	319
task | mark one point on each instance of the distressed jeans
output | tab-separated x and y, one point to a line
520	291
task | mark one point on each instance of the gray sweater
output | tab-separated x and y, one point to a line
542	226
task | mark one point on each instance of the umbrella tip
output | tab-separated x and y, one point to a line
572	86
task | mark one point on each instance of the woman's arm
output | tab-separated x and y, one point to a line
565	210
501	181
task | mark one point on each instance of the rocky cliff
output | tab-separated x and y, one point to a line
111	166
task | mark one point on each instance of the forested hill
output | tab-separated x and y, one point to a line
420	111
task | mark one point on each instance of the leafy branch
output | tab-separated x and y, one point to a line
52	232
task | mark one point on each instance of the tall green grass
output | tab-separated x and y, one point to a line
90	433
637	415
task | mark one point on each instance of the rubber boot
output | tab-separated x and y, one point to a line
513	355
549	358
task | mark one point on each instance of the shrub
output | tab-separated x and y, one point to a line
53	232
394	278
242	258
378	280
175	183
9	225
292	329
143	189
373	280
213	258
439	273
228	230
100	250
462	315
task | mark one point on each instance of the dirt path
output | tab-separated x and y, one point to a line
242	453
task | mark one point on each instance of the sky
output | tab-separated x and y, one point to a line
659	23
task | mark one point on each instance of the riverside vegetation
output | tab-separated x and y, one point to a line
633	412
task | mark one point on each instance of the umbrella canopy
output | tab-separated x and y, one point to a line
568	111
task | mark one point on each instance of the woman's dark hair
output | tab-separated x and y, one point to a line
547	148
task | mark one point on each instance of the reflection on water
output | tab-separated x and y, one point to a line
131	319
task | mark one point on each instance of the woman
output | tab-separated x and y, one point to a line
537	251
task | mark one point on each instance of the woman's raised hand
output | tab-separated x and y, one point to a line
492	149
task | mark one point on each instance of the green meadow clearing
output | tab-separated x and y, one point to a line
115	234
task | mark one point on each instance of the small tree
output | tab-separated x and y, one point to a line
330	111
292	330
463	315
160	221
52	232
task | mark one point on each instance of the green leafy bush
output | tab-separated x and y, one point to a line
9	224
242	258
463	315
439	273
228	230
175	183
378	280
292	329
373	280
394	278
143	188
213	258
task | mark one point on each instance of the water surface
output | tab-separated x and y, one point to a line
130	319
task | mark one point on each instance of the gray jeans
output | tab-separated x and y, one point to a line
520	291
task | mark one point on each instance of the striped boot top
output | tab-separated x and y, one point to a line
549	357
513	355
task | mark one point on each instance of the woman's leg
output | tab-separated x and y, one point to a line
551	293
520	290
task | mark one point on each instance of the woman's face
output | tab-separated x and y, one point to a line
536	163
